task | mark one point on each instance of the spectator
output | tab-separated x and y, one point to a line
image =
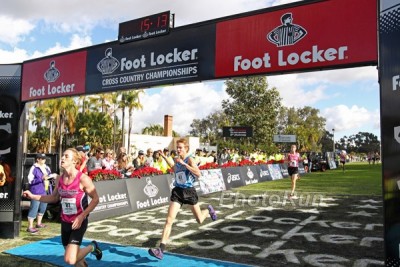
108	163
140	160
224	157
38	177
95	162
159	162
369	157
81	166
173	154
376	157
124	165
213	156
342	156
149	157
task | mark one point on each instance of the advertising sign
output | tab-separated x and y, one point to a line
10	84
249	174
148	192
284	170
211	181
54	77
232	177
114	200
237	131
290	39
263	173
185	55
389	66
275	171
281	138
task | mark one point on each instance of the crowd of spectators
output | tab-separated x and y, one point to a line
125	163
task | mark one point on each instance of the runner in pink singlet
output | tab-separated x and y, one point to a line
73	199
72	190
293	159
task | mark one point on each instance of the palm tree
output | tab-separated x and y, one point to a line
63	111
153	129
132	102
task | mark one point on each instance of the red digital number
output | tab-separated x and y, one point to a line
162	20
145	25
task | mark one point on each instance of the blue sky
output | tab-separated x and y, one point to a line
348	98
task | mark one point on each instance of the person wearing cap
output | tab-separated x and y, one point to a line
38	175
140	160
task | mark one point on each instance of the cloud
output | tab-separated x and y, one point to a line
13	56
294	92
343	118
342	75
82	16
183	102
13	30
76	42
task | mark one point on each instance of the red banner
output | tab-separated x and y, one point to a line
54	77
314	36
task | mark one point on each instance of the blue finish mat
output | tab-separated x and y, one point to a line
52	251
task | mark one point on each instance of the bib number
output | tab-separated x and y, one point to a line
69	206
180	178
293	163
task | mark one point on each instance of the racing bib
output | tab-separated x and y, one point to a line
181	178
293	163
69	206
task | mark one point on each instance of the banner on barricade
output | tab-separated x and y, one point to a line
263	173
284	169
114	199
249	174
232	177
211	181
148	192
275	171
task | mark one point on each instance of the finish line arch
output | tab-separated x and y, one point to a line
272	41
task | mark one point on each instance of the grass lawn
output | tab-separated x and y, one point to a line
357	179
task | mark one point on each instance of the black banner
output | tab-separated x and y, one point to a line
183	56
249	174
389	66
263	173
232	177
148	192
237	131
10	186
114	199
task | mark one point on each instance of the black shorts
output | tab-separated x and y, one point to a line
293	170
69	236
184	195
343	162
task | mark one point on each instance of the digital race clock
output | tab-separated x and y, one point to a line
146	27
